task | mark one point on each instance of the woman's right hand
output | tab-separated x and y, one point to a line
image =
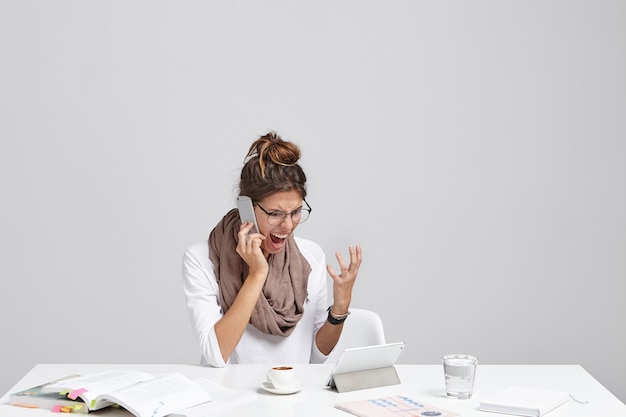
249	248
232	325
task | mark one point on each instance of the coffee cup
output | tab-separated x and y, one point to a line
282	377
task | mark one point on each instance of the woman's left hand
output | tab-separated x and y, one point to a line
344	282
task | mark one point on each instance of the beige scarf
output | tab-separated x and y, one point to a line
281	303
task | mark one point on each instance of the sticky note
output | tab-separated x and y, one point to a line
74	394
66	409
56	409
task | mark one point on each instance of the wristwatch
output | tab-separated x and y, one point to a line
332	319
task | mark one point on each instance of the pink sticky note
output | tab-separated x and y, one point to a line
56	409
74	394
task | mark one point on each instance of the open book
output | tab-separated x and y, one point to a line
36	398
141	393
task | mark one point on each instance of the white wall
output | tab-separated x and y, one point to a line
474	148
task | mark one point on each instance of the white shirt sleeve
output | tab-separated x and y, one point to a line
317	283
201	293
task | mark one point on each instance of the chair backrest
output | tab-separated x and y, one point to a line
361	328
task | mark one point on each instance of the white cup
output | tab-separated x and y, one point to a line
282	377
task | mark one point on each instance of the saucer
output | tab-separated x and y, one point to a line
267	386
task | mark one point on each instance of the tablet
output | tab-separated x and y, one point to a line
365	358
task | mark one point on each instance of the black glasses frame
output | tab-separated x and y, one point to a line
284	215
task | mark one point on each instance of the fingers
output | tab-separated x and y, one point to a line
332	273
249	248
343	283
244	230
356	257
247	241
342	264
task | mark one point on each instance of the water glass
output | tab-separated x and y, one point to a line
459	371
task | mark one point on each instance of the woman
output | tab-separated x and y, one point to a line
261	298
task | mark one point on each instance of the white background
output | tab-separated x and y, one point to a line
475	149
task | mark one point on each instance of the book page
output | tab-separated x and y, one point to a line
89	387
159	396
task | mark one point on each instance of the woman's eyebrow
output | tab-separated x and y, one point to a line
285	211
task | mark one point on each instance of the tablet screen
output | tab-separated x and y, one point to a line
367	357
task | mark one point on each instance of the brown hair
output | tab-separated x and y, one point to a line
271	165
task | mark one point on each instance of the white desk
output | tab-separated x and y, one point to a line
422	382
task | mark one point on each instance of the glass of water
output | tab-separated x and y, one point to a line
459	371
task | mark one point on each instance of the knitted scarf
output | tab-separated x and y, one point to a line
281	303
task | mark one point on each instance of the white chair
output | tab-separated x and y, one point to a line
361	328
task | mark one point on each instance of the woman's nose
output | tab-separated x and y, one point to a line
291	223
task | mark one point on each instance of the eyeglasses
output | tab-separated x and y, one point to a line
297	216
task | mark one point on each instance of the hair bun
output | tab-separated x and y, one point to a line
271	166
271	148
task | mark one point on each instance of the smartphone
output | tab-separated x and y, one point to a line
246	212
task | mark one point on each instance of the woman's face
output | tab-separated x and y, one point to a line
276	234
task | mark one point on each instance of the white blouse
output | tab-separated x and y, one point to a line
201	292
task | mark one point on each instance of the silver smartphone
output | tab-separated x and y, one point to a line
246	212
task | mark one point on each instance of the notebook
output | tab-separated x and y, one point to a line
523	401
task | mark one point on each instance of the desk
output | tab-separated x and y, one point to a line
424	383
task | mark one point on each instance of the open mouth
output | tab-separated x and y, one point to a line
278	239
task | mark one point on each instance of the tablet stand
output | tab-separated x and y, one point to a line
370	378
